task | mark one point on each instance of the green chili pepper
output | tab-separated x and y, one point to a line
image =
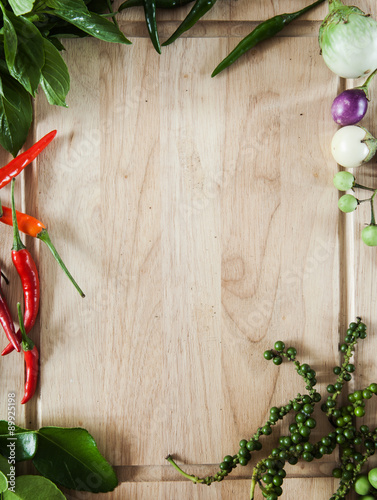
160	4
150	18
200	8
263	31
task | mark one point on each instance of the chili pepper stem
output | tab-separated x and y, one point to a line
44	236
27	343
194	479
17	243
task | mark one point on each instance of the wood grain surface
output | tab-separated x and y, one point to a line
199	217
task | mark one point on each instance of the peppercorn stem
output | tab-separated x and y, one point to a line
194	479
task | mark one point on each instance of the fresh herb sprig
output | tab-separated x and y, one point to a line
355	444
30	56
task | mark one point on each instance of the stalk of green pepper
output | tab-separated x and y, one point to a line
263	31
200	8
160	4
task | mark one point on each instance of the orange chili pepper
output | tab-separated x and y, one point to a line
35	228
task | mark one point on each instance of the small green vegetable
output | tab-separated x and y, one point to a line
200	8
263	31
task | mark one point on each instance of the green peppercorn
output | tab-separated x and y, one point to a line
291	351
266	430
268	355
373	388
311	423
308	409
279	346
307	456
367	394
277	360
359	411
337	370
337	472
225	466
267	478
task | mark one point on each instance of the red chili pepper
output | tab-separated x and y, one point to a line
31	357
28	273
7	322
35	228
14	167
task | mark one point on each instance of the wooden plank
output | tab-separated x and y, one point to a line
293	488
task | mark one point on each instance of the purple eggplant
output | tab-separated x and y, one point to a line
349	107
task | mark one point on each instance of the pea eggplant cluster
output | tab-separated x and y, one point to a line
355	444
26	269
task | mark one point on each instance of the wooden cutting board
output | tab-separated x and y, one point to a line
199	217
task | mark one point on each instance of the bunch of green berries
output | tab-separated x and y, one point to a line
355	444
347	203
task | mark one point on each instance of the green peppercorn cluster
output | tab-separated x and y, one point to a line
355	444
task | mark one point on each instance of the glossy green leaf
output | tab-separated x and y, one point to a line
3	482
89	22
70	457
24	54
34	488
4	465
21	7
16	114
9	38
55	76
25	444
77	5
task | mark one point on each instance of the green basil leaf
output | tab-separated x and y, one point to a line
77	5
21	7
10	39
70	457
56	43
55	77
34	488
24	52
16	114
93	24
